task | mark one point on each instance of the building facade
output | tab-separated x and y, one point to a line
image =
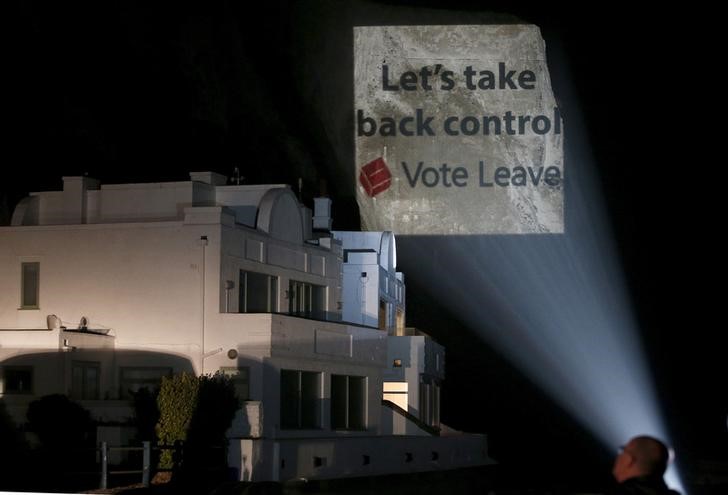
104	289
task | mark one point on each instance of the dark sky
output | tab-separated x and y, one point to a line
129	91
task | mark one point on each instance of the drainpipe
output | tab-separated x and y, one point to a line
203	243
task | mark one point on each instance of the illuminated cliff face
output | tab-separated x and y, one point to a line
457	131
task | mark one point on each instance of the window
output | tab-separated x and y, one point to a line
430	402
258	293
348	402
300	399
241	380
17	380
306	299
29	286
134	379
382	324
85	380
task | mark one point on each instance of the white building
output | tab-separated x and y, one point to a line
106	288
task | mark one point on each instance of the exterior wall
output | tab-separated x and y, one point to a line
156	268
144	281
244	249
325	458
422	360
373	253
360	299
268	343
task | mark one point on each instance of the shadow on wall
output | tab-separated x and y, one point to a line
53	402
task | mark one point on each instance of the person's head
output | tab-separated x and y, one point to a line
642	456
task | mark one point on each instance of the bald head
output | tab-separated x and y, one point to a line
651	454
642	456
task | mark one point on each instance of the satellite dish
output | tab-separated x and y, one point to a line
53	322
83	324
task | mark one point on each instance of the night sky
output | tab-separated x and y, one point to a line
135	92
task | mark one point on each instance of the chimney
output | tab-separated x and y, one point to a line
75	198
322	214
212	178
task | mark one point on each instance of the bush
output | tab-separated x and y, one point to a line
13	452
146	413
60	423
197	411
177	401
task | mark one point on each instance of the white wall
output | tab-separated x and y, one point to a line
362	295
345	457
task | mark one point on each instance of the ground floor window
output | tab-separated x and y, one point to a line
430	402
133	379
241	380
300	399
348	402
85	380
17	380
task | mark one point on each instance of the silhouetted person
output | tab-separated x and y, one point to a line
639	468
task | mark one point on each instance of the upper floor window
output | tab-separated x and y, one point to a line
306	299
29	285
258	293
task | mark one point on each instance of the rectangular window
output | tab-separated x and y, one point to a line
300	399
382	324
241	380
134	379
85	379
29	286
258	293
307	300
348	402
430	402
17	380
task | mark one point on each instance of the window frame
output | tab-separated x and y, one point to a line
31	388
303	298
123	390
271	291
349	404
84	366
304	408
24	281
224	370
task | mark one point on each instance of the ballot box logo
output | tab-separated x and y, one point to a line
375	177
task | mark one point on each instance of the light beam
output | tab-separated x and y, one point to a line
556	306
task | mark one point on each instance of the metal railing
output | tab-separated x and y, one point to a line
144	471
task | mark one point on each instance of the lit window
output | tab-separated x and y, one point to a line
300	399
348	402
29	286
17	380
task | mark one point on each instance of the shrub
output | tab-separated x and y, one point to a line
197	411
60	423
13	452
146	413
177	401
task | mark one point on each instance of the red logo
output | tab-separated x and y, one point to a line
375	177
